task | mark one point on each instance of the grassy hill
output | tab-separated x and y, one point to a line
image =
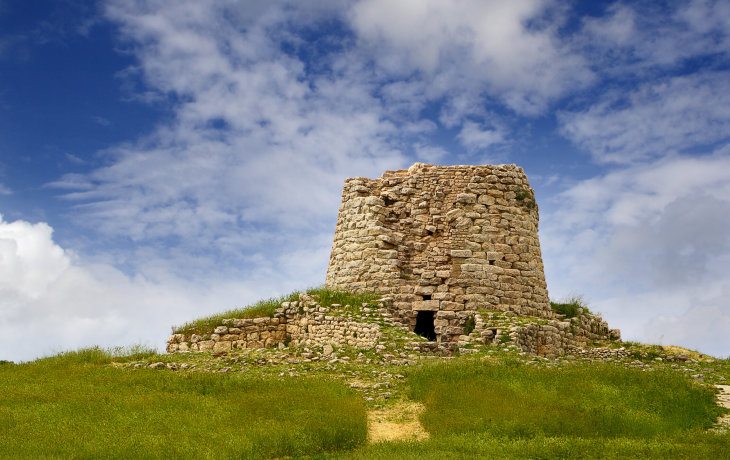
494	402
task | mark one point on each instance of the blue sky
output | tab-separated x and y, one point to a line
164	160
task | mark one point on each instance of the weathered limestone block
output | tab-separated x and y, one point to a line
221	346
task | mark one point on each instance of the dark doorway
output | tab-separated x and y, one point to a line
424	325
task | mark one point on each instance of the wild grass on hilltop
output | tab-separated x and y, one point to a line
595	400
693	445
77	405
267	308
510	410
496	403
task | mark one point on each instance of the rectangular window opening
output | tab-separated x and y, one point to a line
425	325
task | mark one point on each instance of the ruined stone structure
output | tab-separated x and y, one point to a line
455	255
300	323
444	242
307	324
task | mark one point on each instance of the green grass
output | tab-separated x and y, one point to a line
595	400
329	297
77	405
262	308
94	403
507	409
496	405
570	307
469	325
693	445
267	308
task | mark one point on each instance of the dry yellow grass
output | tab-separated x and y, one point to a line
723	400
675	350
398	422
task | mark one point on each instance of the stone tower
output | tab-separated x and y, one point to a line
443	242
454	252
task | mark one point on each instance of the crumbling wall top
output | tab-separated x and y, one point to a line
442	238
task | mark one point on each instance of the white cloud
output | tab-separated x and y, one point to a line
649	247
617	27
4	190
239	190
430	153
474	47
694	327
101	121
648	37
52	300
257	142
657	119
30	260
475	138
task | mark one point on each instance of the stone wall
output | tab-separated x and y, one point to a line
306	323
553	337
303	322
540	336
456	246
450	239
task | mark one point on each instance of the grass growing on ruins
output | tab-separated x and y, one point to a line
570	307
328	297
77	405
266	308
262	308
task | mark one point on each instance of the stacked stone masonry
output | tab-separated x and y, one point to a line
544	337
307	324
304	323
457	245
447	239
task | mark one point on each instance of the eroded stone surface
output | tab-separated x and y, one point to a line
303	322
454	240
457	245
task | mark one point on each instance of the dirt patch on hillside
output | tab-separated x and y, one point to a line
675	350
723	399
398	422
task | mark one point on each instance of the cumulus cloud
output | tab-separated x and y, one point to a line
430	153
475	137
646	37
500	48
53	300
257	142
261	139
654	120
235	195
30	260
649	247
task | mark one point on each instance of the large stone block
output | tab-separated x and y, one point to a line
427	305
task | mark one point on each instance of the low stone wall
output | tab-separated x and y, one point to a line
233	334
536	335
303	322
308	324
317	326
